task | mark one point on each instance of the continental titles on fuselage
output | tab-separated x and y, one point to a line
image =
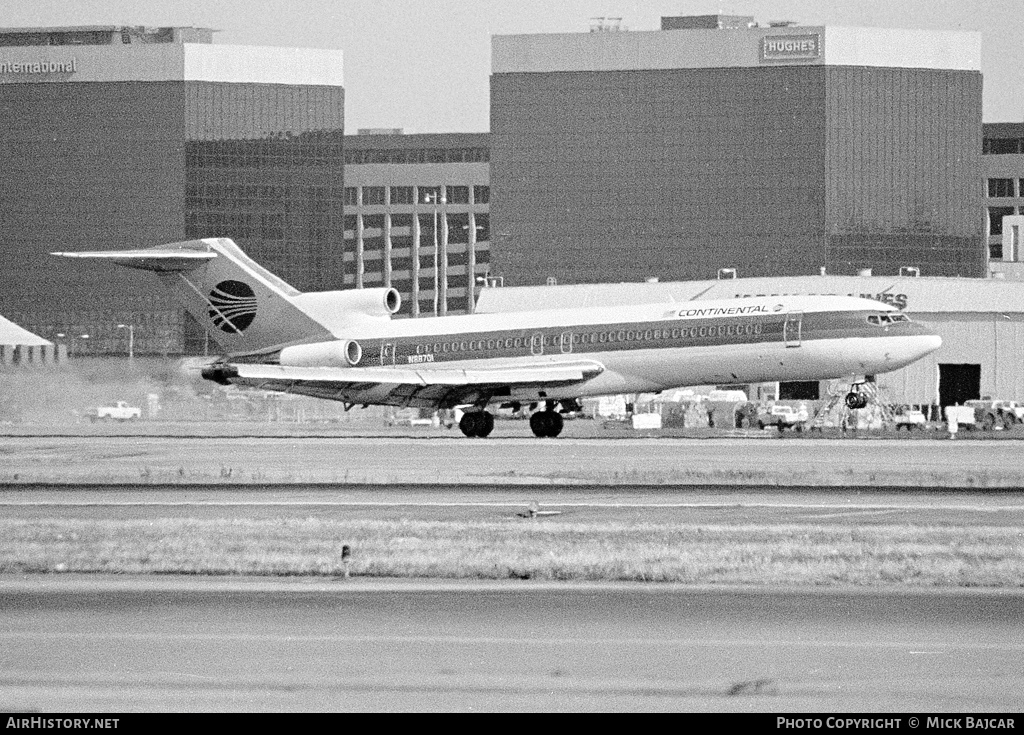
727	311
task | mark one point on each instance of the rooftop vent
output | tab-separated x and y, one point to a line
910	271
606	25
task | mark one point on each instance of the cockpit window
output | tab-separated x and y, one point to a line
884	319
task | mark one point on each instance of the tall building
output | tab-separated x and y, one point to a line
417	217
1002	163
126	137
717	144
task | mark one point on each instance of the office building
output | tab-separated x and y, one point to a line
417	217
127	137
718	144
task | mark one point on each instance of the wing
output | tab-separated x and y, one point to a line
401	386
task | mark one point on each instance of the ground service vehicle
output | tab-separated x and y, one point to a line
783	417
120	411
1012	408
989	415
909	419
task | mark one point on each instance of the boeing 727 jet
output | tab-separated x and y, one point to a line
345	346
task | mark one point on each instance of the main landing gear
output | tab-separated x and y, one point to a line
547	423
477	423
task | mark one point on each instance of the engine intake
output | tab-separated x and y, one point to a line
339	353
334	307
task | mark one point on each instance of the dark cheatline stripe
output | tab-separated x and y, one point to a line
661	334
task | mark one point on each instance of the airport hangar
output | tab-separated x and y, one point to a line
981	322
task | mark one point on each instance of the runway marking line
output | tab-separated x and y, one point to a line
860	509
518	641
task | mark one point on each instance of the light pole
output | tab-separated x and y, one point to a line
432	197
131	339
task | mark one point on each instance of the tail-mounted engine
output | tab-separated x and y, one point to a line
338	353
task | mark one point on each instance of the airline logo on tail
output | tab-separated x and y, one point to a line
232	306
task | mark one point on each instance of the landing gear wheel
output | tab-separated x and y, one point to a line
856	400
476	423
488	426
546	423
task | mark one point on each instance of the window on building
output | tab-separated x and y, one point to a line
401	195
401	220
373	195
995	251
351	196
458	227
483	226
373	222
481	195
995	219
428	194
1002	145
458	194
1000	187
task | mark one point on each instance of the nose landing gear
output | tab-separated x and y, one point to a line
856	399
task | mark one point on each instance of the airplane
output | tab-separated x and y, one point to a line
345	346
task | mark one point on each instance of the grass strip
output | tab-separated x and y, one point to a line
813	555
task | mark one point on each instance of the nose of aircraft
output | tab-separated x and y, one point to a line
918	341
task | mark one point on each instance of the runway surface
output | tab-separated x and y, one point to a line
573	503
79	643
520	461
115	645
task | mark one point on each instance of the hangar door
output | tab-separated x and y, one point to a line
959	383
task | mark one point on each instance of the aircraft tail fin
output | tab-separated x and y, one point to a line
242	305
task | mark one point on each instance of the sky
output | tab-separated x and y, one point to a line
423	65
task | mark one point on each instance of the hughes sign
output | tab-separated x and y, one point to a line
787	48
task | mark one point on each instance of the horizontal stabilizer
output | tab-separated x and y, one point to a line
160	259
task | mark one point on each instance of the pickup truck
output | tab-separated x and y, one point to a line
783	417
121	411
